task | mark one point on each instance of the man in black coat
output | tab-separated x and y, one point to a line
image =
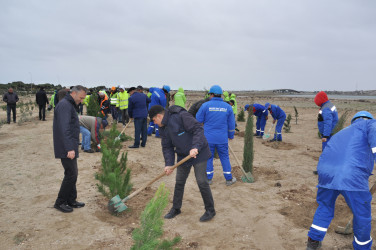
11	99
66	132
42	100
183	134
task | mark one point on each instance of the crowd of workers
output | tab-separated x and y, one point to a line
344	166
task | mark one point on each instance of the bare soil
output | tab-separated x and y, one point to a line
275	212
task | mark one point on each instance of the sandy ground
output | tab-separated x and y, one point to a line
275	212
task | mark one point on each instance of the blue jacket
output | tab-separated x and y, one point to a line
66	127
180	133
259	110
218	119
276	111
327	119
138	105
158	97
348	158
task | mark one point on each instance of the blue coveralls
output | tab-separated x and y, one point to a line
158	97
326	121
279	115
219	125
344	168
261	113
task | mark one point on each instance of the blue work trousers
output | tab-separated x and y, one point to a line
86	138
153	128
260	125
222	150
140	130
360	205
278	128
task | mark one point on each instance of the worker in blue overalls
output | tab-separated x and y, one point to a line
262	115
344	168
279	116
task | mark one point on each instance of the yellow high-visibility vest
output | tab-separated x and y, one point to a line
123	100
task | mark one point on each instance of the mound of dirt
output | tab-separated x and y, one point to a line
280	145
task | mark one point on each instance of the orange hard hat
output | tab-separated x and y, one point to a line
113	88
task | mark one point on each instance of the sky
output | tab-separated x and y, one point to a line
194	44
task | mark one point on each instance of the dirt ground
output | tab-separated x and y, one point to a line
275	212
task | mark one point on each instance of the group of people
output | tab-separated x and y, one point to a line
344	166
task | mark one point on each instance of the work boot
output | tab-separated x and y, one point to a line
89	151
230	182
173	212
272	140
313	244
255	134
64	207
210	181
207	216
259	136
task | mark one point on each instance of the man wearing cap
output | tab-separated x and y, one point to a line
262	115
279	116
327	118
344	168
123	104
138	110
219	126
89	128
183	135
158	97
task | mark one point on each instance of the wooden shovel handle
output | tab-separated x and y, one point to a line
237	160
125	127
156	178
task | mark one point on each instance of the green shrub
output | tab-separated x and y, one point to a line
241	116
287	124
147	236
296	115
341	122
248	153
93	107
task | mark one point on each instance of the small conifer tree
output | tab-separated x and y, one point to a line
248	153
241	116
114	176
296	115
287	124
341	122
148	235
93	108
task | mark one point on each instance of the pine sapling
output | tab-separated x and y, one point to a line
341	122
148	235
241	116
248	153
287	124
93	107
296	115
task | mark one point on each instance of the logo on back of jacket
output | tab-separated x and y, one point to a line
217	109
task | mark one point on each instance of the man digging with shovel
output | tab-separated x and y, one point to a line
344	168
183	134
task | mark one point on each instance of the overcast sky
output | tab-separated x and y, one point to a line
238	44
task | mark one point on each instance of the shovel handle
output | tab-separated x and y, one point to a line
155	179
125	127
237	160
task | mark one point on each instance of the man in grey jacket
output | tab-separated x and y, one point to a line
89	128
11	99
66	134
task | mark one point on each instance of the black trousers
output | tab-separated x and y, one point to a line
202	182
42	112
140	130
68	191
11	107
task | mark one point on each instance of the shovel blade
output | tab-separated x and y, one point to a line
115	205
266	136
248	178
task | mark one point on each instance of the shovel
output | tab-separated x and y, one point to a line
118	137
116	204
247	176
348	228
267	136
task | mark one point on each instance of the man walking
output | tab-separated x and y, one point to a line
42	100
219	126
138	110
11	99
66	134
344	168
181	133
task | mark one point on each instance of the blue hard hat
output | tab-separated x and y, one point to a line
167	88
246	107
360	114
216	90
267	105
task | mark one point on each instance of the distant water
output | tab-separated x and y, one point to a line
344	97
